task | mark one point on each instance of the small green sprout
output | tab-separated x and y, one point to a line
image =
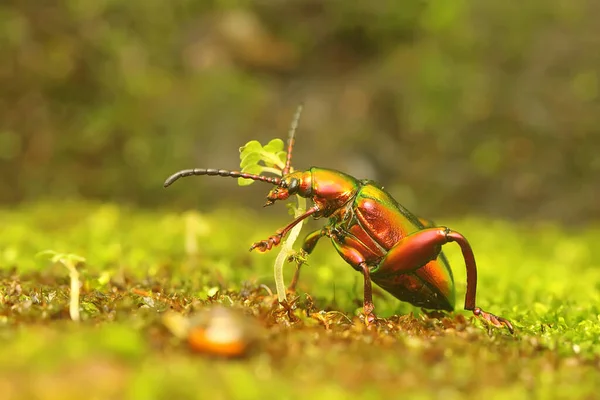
287	252
69	261
252	154
196	226
257	159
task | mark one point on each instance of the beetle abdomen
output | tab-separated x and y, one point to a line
418	289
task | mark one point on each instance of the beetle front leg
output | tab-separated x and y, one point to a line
368	305
274	240
310	241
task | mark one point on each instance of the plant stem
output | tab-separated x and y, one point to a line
74	298
287	250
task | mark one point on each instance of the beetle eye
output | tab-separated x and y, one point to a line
293	186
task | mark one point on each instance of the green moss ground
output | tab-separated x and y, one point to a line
142	263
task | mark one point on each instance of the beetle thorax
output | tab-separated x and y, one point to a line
332	189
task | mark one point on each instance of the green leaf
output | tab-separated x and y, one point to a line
250	159
62	257
74	258
282	155
274	146
251	169
245	182
252	146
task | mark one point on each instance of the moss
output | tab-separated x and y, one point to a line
138	266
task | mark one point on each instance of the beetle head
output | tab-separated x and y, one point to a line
295	183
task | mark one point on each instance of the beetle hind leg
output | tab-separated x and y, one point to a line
467	252
492	319
425	245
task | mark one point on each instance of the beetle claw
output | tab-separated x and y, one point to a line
493	319
266	245
370	318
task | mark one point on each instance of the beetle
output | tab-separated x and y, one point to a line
372	232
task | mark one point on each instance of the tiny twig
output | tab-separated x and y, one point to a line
69	261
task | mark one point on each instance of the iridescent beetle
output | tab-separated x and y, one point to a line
373	233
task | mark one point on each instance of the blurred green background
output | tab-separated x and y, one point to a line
487	108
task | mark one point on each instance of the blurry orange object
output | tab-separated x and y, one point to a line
217	330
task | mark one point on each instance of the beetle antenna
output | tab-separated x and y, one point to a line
220	172
291	139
